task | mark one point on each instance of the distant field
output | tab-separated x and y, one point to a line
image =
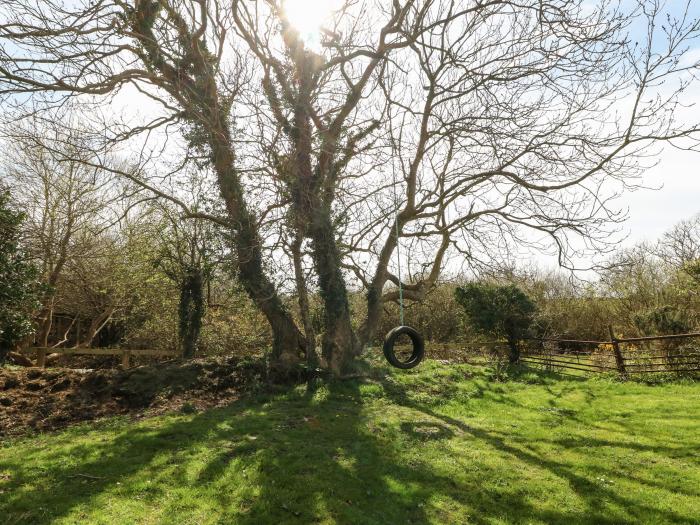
440	444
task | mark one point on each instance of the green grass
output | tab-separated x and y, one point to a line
441	444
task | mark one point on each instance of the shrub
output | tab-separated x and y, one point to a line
19	290
498	311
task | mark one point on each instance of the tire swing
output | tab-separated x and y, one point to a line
418	351
418	347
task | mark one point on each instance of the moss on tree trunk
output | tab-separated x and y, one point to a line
191	311
340	346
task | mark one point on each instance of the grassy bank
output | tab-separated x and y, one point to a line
441	444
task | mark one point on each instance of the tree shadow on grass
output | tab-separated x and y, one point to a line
354	474
321	455
309	460
594	494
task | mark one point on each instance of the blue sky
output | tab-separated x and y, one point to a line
653	212
678	172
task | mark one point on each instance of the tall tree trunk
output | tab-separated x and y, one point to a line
191	312
340	345
45	324
312	218
197	91
288	343
514	350
376	287
304	308
53	274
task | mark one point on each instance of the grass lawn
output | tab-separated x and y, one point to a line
440	444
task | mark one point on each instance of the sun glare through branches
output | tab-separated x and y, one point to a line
310	16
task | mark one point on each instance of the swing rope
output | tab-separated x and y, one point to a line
398	252
402	330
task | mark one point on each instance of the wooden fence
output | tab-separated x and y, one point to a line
125	353
625	356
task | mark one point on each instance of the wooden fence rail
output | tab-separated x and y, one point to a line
626	362
602	356
125	353
658	337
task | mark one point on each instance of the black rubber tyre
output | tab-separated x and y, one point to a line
418	347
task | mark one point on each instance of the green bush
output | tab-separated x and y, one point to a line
662	320
19	289
498	311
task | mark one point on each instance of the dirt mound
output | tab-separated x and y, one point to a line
37	399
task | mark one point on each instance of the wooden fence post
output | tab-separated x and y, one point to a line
125	359
619	360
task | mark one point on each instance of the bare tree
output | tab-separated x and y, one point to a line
681	244
189	252
460	127
172	52
65	201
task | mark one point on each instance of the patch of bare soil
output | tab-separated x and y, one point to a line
41	400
